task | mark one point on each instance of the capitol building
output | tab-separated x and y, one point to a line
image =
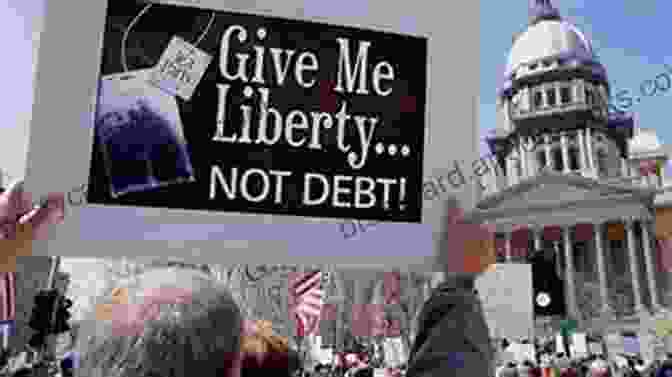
571	176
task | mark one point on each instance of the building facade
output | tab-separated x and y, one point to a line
569	175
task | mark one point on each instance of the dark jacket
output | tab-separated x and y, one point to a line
453	337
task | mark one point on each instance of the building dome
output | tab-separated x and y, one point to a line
552	41
548	39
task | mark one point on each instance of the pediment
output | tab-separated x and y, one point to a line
552	191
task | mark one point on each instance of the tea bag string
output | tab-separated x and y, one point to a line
135	21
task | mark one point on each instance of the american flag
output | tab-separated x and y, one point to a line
665	254
306	300
8	296
648	167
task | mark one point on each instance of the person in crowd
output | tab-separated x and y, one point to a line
665	369
511	370
23	372
266	352
178	321
525	369
599	368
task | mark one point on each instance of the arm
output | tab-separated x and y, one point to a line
453	338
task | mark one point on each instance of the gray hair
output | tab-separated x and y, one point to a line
200	336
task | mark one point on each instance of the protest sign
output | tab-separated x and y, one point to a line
595	348
258	127
580	345
505	291
631	345
615	344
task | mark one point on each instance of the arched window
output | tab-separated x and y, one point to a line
541	160
558	164
602	162
574	158
590	96
550	97
538	99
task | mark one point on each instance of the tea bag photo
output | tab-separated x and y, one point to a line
139	130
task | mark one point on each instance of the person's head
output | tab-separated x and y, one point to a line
264	352
175	322
23	372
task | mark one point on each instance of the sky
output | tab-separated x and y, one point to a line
628	36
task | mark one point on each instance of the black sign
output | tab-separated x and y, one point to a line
221	111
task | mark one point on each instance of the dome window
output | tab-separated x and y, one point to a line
565	95
590	96
541	159
538	99
546	64
550	97
533	66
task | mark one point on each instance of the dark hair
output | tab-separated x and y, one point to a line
200	333
23	372
366	372
273	364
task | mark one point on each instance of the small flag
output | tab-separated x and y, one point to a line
647	167
6	331
553	233
583	232
500	246
520	241
8	292
306	300
616	231
392	287
665	254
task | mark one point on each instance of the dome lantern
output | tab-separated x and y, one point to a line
542	10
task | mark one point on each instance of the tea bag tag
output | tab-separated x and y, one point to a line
180	69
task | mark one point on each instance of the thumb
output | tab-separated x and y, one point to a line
14	202
48	215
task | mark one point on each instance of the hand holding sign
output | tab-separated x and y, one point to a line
468	248
20	223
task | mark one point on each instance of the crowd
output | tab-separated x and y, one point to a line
178	322
559	365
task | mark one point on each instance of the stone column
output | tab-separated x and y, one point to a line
569	272
650	270
547	151
531	159
624	168
602	270
582	152
565	153
523	156
507	245
589	149
537	239
634	266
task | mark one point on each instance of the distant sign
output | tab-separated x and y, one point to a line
506	295
580	344
614	343
631	345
